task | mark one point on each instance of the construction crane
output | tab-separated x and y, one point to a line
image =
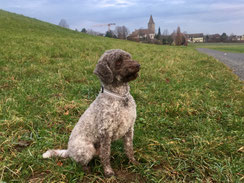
101	25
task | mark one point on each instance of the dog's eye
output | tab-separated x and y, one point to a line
119	62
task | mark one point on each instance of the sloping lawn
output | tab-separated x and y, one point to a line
190	124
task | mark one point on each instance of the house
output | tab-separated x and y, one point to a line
144	34
234	38
239	38
213	38
195	38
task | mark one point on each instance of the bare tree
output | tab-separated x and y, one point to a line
121	32
165	32
178	37
166	38
63	23
184	40
173	35
94	33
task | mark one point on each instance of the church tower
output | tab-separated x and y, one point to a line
151	25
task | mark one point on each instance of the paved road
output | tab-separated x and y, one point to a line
233	60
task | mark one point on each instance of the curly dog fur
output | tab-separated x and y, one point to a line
111	116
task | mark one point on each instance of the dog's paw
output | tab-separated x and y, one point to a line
47	154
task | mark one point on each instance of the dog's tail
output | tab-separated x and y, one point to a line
58	152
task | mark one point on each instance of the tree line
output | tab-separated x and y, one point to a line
122	32
175	38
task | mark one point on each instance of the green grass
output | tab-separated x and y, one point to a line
190	124
226	47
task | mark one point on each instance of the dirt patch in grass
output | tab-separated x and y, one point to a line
21	145
125	176
121	176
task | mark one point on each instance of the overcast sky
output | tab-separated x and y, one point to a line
193	16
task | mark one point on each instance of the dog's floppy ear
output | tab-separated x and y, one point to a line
103	71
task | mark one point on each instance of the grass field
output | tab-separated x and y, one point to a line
226	47
190	124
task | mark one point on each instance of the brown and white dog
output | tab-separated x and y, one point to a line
111	115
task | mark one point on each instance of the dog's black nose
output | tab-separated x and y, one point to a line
138	66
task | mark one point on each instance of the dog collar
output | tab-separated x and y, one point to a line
105	91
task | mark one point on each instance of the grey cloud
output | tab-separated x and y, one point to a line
192	15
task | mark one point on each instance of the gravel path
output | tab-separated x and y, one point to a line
233	60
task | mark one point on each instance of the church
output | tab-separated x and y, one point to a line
144	34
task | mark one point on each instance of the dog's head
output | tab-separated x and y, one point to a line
116	66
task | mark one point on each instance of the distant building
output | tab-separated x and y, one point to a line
195	38
213	38
142	34
235	38
239	38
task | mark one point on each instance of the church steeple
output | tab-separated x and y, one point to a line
151	25
151	20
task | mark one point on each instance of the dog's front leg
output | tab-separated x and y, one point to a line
128	146
104	155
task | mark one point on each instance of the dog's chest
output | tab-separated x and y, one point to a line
124	118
